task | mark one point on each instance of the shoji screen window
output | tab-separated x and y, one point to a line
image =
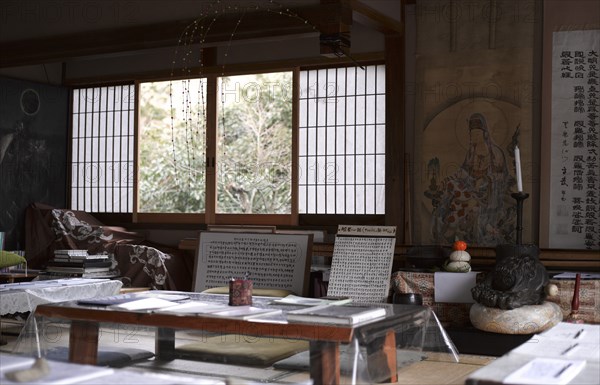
342	141
103	149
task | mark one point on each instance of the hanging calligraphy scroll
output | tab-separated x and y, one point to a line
362	263
574	218
271	261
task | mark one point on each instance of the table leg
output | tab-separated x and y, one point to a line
381	358
2	342
325	362
83	342
164	347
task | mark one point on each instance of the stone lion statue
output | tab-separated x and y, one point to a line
517	279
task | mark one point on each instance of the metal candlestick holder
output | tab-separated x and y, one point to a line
520	197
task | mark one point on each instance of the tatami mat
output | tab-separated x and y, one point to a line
211	369
437	368
435	373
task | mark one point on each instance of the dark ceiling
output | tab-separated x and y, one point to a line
38	31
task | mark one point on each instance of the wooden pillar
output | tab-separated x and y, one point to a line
395	138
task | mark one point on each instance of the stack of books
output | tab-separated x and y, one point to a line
78	263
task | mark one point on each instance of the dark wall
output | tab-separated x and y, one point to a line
33	152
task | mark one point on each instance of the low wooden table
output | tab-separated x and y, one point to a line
378	336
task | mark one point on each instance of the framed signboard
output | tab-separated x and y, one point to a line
271	261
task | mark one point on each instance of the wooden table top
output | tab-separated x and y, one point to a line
263	326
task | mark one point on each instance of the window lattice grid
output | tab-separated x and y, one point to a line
102	163
342	141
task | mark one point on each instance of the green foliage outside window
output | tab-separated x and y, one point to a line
172	153
254	145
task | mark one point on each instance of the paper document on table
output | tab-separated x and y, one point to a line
542	346
218	310
571	275
130	297
546	371
145	304
245	312
137	378
332	314
64	373
296	300
571	331
194	307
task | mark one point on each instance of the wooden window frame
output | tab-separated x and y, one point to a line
210	217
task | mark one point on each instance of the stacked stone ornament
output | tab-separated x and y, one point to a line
459	258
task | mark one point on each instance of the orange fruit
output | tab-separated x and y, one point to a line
459	245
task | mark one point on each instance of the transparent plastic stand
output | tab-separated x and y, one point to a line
416	331
39	335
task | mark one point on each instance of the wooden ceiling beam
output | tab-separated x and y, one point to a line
253	25
372	18
335	29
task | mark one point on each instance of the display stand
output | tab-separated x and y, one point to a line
362	263
271	261
519	197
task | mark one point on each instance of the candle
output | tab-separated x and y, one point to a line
518	168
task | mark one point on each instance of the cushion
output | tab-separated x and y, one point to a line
255	291
10	259
114	357
242	349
